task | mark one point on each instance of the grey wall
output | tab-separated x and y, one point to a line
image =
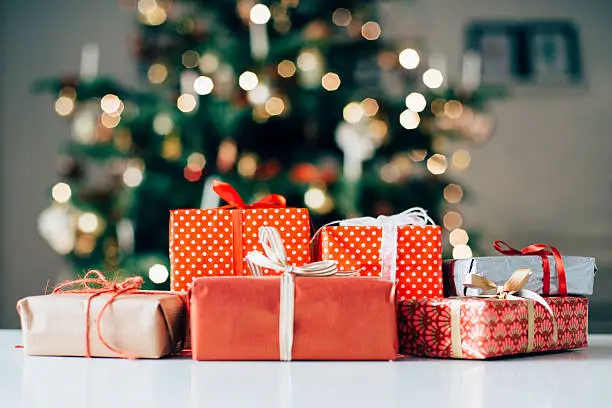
545	176
41	39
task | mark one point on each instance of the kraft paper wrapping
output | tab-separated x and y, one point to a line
580	273
335	318
144	325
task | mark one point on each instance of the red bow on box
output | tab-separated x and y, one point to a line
233	199
543	251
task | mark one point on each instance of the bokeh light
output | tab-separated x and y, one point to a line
260	14
190	59
409	119
259	95
432	78
330	81
186	103
64	106
370	106
458	237
157	73
437	164
342	17
453	109
88	222
353	112
461	159
452	220
248	80
110	103
307	61
286	68
462	252
370	30
247	165
453	193
197	159
203	85
209	63
409	58
132	176
163	123
417	155
158	273
275	106
61	192
416	102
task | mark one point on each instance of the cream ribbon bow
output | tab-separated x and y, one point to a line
388	244
275	258
512	289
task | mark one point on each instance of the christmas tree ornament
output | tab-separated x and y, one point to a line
57	225
357	144
125	235
311	67
84	122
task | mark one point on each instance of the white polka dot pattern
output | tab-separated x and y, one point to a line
202	241
419	256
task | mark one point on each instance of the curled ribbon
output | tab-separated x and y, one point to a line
511	290
275	257
389	224
543	251
233	199
96	284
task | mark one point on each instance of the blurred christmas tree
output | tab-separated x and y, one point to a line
306	99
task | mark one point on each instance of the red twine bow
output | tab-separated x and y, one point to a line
543	251
96	284
233	199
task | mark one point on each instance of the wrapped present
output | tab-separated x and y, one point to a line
405	248
94	317
553	274
304	314
213	242
511	321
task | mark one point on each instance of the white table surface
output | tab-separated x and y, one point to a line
575	379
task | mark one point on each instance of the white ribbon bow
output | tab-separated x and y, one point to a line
388	245
275	258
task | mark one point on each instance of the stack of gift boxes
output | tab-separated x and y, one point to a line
251	282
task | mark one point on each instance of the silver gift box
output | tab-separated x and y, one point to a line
580	273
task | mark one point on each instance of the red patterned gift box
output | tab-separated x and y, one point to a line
401	248
214	242
492	326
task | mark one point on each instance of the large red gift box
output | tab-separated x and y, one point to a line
417	264
335	318
480	328
214	242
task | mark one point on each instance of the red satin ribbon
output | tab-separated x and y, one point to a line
233	199
542	251
96	284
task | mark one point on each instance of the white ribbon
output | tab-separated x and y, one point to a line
275	258
388	245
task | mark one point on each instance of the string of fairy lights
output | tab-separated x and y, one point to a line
206	75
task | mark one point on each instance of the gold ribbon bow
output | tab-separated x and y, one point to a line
511	290
275	258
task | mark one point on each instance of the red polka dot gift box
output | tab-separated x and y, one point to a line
405	248
214	242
